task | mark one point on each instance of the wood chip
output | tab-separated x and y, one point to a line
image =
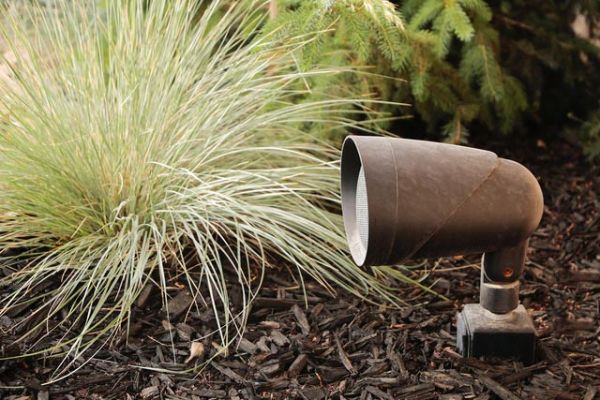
184	331
247	346
209	393
297	365
344	357
262	345
380	394
276	304
422	388
206	393
329	375
301	318
228	372
178	304
149	392
497	388
279	338
144	295
270	369
270	324
398	365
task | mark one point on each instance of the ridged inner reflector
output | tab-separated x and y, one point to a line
362	209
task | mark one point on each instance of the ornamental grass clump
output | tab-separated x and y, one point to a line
158	144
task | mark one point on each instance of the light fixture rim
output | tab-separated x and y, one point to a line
349	177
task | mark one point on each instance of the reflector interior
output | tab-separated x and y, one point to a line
355	202
362	208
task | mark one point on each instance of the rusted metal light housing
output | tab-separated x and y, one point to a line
406	199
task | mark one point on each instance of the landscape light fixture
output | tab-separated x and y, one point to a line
406	199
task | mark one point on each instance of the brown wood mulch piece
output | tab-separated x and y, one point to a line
343	348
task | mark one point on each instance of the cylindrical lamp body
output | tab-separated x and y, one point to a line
406	198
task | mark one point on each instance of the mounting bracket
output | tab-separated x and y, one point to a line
498	325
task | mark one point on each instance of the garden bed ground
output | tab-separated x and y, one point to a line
342	348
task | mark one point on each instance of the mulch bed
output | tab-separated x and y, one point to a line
343	348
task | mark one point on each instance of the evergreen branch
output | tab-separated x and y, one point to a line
460	22
385	8
417	50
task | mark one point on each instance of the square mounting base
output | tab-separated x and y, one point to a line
482	333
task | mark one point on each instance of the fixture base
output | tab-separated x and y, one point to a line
482	333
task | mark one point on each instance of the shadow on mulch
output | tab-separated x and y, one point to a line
342	348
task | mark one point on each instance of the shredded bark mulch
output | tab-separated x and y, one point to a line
339	347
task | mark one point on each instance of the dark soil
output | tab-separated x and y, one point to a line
338	347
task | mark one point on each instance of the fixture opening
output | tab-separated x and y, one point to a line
362	208
355	204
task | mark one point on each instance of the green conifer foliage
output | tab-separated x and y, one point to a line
419	43
502	65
